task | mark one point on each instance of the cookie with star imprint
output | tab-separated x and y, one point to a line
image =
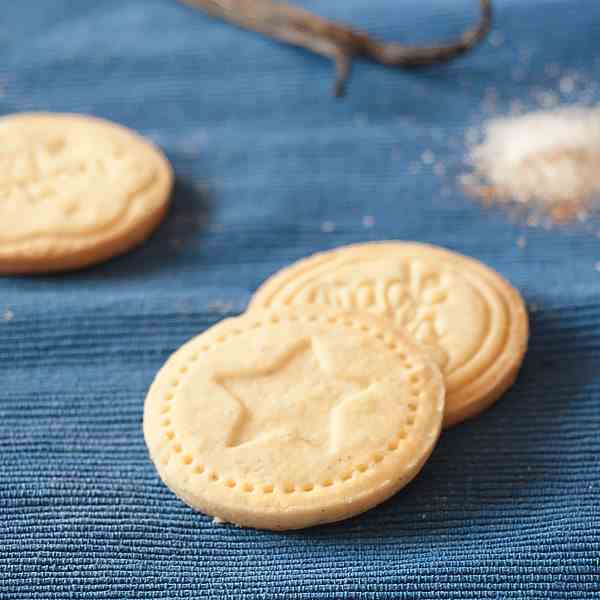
289	418
75	190
469	319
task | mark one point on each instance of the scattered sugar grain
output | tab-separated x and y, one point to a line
8	315
525	54
516	107
490	99
439	169
518	74
428	157
368	221
567	85
414	168
192	143
437	134
496	39
552	70
327	226
548	99
472	136
545	159
396	153
360	119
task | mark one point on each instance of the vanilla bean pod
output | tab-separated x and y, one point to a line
340	43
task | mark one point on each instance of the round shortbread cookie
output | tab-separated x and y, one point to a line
465	315
289	418
75	190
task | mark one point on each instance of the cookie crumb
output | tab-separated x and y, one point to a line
218	521
221	307
521	241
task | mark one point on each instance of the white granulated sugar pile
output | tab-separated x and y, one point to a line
549	159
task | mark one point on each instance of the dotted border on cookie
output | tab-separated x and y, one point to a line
288	487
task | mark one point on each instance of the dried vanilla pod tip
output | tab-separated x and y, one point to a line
339	42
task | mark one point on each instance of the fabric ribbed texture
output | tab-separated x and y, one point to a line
271	168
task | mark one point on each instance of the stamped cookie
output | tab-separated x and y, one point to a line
289	418
466	316
75	190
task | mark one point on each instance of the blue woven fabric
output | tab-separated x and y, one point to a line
271	168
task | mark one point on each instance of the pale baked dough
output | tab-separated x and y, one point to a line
469	319
75	190
293	417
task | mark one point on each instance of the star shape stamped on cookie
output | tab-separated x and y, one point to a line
295	399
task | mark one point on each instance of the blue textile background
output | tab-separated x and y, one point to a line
271	168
